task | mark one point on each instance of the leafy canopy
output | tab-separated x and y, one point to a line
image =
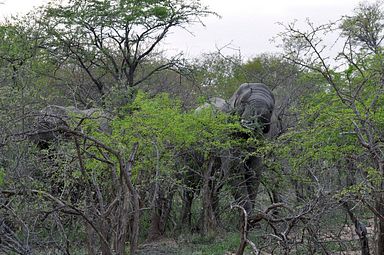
160	126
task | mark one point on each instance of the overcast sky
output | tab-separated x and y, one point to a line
248	25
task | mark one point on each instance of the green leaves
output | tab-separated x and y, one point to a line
160	12
324	133
163	129
365	27
162	118
17	44
2	176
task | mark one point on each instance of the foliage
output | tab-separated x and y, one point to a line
269	69
214	73
366	26
355	87
322	162
110	40
159	125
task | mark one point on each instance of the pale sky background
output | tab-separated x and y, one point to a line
248	25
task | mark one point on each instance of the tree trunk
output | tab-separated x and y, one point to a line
90	240
105	249
209	219
380	223
122	219
154	230
360	230
379	218
243	230
126	172
135	221
186	215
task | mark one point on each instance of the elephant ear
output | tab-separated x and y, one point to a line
241	95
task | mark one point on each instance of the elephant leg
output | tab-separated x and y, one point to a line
253	171
240	191
192	184
215	202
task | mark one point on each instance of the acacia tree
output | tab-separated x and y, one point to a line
356	78
110	40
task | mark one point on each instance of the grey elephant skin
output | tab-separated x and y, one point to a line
51	120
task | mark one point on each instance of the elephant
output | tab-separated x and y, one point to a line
50	119
253	103
50	127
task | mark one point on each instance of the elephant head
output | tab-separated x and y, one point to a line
51	119
254	103
216	103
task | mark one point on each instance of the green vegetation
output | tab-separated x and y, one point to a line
102	150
